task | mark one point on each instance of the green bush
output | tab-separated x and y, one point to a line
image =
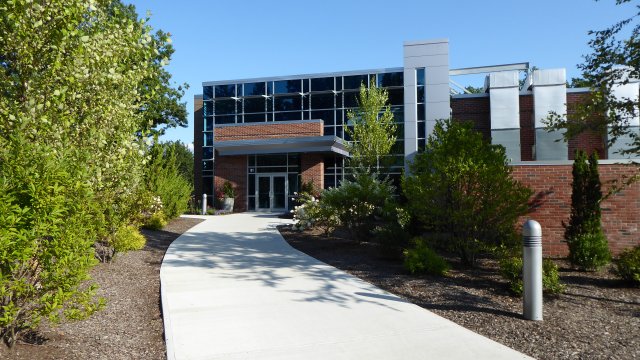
589	251
422	259
511	270
313	213
628	265
462	186
164	180
156	221
228	190
128	238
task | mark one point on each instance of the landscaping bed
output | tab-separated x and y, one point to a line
130	326
598	317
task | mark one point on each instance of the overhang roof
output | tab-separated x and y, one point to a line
309	144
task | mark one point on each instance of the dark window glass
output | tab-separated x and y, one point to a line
263	170
270	88
287	103
420	76
322	101
329	181
322	84
420	94
269	116
338	83
399	131
329	162
305	102
207	153
294	160
326	116
252	202
305	85
421	112
272	160
208	139
391	79
338	101
421	129
225	90
254	105
398	147
253	89
207	165
288	86
252	184
225	119
207	108
396	96
421	144
224	107
208	124
252	160
339	132
350	99
353	82
269	104
398	113
249	118
346	134
239	119
288	116
305	115
329	130
239	92
207	186
207	93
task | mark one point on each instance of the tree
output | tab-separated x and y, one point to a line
615	58
461	188
183	158
588	247
372	129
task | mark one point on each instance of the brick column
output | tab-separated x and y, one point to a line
312	169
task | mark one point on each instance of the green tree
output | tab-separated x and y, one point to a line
461	187
588	246
615	58
372	129
183	158
164	179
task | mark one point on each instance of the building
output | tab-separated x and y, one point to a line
268	135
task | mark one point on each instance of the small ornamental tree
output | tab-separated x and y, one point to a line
461	187
588	247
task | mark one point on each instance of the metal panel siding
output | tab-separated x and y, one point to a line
510	139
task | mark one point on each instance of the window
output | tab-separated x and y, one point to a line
207	93
254	105
322	101
420	76
287	103
354	81
391	79
224	107
254	89
225	90
322	84
288	86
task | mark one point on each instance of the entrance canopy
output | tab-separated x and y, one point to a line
309	144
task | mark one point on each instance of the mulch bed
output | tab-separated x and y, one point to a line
130	326
598	317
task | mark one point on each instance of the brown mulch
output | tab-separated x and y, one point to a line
130	326
598	317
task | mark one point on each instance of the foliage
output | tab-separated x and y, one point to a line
422	259
314	213
461	186
228	190
156	221
474	90
128	238
47	227
511	268
371	128
628	265
615	59
163	179
184	158
588	247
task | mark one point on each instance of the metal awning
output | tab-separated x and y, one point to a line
310	144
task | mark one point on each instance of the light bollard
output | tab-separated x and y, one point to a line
204	204
532	269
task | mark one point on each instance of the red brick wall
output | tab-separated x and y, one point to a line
588	141
474	109
267	131
552	205
233	169
527	130
312	169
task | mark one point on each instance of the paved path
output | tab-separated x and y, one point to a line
232	288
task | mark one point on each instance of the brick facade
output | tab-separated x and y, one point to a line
312	169
234	170
476	110
268	131
552	205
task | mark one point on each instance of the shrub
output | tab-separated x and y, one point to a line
314	213
422	259
511	270
228	190
156	221
128	238
165	181
461	186
628	265
589	251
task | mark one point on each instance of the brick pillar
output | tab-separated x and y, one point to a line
312	169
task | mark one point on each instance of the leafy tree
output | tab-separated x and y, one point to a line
371	129
183	158
474	90
588	247
164	179
461	187
615	58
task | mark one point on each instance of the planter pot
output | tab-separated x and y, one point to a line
227	204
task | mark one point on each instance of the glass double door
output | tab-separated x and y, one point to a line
271	192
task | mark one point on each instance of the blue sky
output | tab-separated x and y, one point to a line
219	40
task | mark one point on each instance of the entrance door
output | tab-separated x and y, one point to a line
272	192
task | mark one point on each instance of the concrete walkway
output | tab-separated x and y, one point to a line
232	288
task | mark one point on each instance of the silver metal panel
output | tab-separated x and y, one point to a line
432	49
628	91
510	139
549	77
438	111
550	146
427	61
623	142
505	100
425	42
435	93
437	75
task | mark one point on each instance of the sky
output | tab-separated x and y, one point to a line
223	40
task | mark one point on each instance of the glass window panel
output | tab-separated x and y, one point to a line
420	76
207	173
391	79
293	160
327	116
207	108
288	116
250	118
322	84
225	90
305	102
421	112
287	103
207	165
275	169
251	202
339	132
346	135
224	107
398	113
305	85
269	116
208	139
239	90
329	130
207	187
421	129
339	117
279	192
208	124
322	101
254	105
252	160
269	104
272	160
338	101
254	89
354	81
329	181
350	99
399	131
288	86
264	190
396	96
421	144
252	184
338	83
420	91
207	93
225	119
207	153
270	88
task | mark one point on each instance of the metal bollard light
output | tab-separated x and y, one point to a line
204	204
532	269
